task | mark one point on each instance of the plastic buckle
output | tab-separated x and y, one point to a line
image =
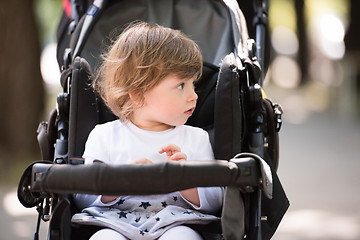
252	49
278	116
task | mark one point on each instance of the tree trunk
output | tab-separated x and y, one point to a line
21	85
302	36
352	40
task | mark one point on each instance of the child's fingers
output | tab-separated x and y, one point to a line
170	149
178	156
173	153
142	161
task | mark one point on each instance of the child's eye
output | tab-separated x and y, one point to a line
181	86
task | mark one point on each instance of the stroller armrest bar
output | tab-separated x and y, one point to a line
130	179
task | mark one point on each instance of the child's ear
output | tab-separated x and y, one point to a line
135	98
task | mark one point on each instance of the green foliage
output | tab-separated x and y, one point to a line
48	13
282	13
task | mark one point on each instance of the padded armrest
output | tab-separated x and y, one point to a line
132	179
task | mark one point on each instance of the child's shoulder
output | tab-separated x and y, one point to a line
109	126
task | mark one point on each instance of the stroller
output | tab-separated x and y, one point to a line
242	124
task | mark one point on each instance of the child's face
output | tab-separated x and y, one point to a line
168	104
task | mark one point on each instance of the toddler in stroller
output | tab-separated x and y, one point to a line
147	80
230	107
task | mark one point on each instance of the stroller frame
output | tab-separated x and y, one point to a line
40	183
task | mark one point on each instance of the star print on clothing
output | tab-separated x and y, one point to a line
121	201
143	232
122	214
188	212
164	204
175	198
145	205
157	219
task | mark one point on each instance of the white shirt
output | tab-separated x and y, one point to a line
120	143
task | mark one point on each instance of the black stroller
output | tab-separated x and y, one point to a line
243	126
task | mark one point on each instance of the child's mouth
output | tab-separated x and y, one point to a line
190	111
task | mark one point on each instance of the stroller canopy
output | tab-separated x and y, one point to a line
218	27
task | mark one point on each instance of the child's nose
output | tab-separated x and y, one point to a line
193	96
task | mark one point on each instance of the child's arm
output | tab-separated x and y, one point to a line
107	199
191	195
173	153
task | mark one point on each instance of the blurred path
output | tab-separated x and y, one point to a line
319	169
16	221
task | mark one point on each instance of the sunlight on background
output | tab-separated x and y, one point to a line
326	71
328	34
317	224
14	208
325	26
49	66
285	72
284	40
22	221
284	69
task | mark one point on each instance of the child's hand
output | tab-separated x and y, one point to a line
142	161
107	199
173	153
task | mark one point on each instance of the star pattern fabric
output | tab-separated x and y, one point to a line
144	217
121	214
145	205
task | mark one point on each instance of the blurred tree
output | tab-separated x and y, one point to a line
352	38
352	41
302	36
21	85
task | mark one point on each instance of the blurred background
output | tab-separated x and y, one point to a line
313	72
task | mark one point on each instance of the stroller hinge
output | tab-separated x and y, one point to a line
61	149
255	120
278	116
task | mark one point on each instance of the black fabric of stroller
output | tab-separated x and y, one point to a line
206	22
209	23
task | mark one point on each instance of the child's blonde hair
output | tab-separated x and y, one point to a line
139	59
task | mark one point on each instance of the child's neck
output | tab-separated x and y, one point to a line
154	127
